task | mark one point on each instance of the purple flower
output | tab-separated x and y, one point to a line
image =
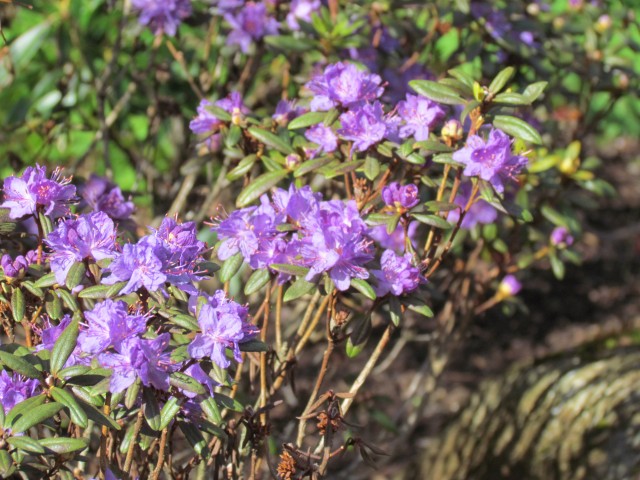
33	191
222	323
104	196
509	286
139	358
397	276
139	265
162	16
396	240
196	372
481	212
343	84
491	160
108	325
420	115
13	268
286	111
90	236
51	332
365	126
561	237
206	122
323	136
397	196
249	24
15	388
301	10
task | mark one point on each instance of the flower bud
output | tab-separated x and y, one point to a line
478	92
292	161
509	286
452	131
560	237
603	24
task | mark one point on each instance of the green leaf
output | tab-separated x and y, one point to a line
517	128
312	165
298	289
17	305
244	167
271	140
510	98
288	43
501	79
48	280
151	409
25	443
21	408
432	220
364	288
307	120
194	437
185	321
60	445
259	186
229	403
296	270
75	275
435	206
359	336
77	414
395	310
27	45
211	410
417	305
97	416
462	76
219	113
19	365
331	171
35	416
7	468
98	291
253	346
433	146
169	411
533	91
35	291
64	346
68	299
437	92
230	267
447	159
371	168
257	280
185	382
53	305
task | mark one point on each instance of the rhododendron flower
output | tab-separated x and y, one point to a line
396	195
206	122
139	265
301	10
250	23
367	125
397	275
324	136
26	194
104	196
13	268
420	115
15	388
480	212
162	16
560	236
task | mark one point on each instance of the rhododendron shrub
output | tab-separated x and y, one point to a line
288	188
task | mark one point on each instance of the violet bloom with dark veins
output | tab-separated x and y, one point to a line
139	358
401	196
108	325
343	84
367	125
397	276
105	196
250	23
13	268
420	115
90	236
491	160
301	10
15	388
324	136
481	212
162	16
33	191
139	265
222	323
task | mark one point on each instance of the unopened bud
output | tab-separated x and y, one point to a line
292	161
452	130
603	24
478	92
509	286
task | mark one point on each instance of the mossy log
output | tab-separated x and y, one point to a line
565	418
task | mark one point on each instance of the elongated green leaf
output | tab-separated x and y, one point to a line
271	140
45	281
75	275
306	120
25	443
77	414
364	288
259	186
97	291
434	206
533	91
64	346
331	171
17	304
417	305
169	411
229	403
194	437
53	305
437	92
19	365
151	409
185	382
433	220
68	299
312	165
7	468
509	98
256	281
296	270
253	346
21	408
501	79
288	43
211	410
97	416
298	289
185	321
433	146
517	128
35	416
27	45
61	445
219	113
230	267
31	287
359	335
462	76
244	167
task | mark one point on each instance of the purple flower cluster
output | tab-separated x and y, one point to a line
206	123
223	324
171	253
89	237
33	192
105	196
491	160
250	23
326	237
324	137
561	237
16	268
367	125
397	274
420	115
301	10
400	197
162	16
15	388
